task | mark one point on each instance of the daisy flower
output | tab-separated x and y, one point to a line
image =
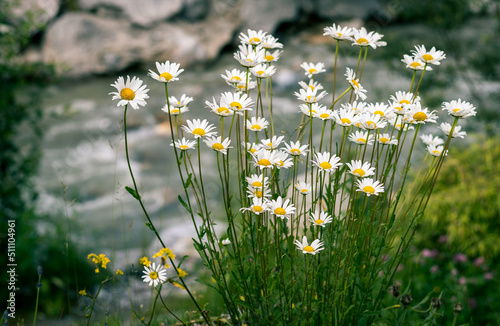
273	143
382	109
281	208
184	144
360	138
371	121
459	108
234	76
258	206
370	186
130	92
264	159
226	242
338	33
357	107
359	90
414	63
167	72
179	103
296	149
313	108
217	144
325	162
431	140
243	86
220	110
416	114
400	100
174	110
345	117
360	169
282	161
237	102
323	113
446	128
253	37
361	37
258	192
303	187
312	69
385	139
432	56
248	57
320	219
272	56
154	274
315	247
199	128
251	147
312	85
309	95
436	150
257	124
257	181
270	42
262	70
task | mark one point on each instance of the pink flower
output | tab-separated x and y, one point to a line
479	261
462	280
443	239
434	269
488	276
426	253
460	258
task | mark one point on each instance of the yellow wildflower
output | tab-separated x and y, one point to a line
180	286
144	261
82	292
181	273
119	272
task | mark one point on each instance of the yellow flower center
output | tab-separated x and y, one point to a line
369	189
257	209
270	144
166	75
241	87
235	79
199	131
311	87
236	105
253	150
319	221
325	165
436	151
370	123
260	72
217	146
308	249
384	140
427	57
399	108
415	64
256	127
380	113
404	102
257	184
183	147
295	151
254	40
362	40
360	172
258	194
324	115
456	110
223	110
175	111
420	116
127	94
269	57
345	120
311	101
312	71
280	211
361	140
355	83
304	191
153	275
264	162
339	34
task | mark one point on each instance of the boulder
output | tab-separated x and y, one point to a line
268	15
83	44
343	9
144	13
36	13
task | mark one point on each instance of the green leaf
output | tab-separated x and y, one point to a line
188	181
183	203
182	259
133	193
150	226
207	284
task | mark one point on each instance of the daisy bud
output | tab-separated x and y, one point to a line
457	308
406	300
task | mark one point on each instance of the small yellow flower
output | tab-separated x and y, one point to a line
144	261
164	252
82	292
180	286
99	260
96	270
119	272
181	273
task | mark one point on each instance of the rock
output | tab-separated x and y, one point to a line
267	15
144	13
37	13
82	44
195	10
346	9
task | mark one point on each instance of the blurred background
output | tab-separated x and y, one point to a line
62	159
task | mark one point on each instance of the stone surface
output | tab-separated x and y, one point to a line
36	12
83	44
332	9
267	15
145	13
